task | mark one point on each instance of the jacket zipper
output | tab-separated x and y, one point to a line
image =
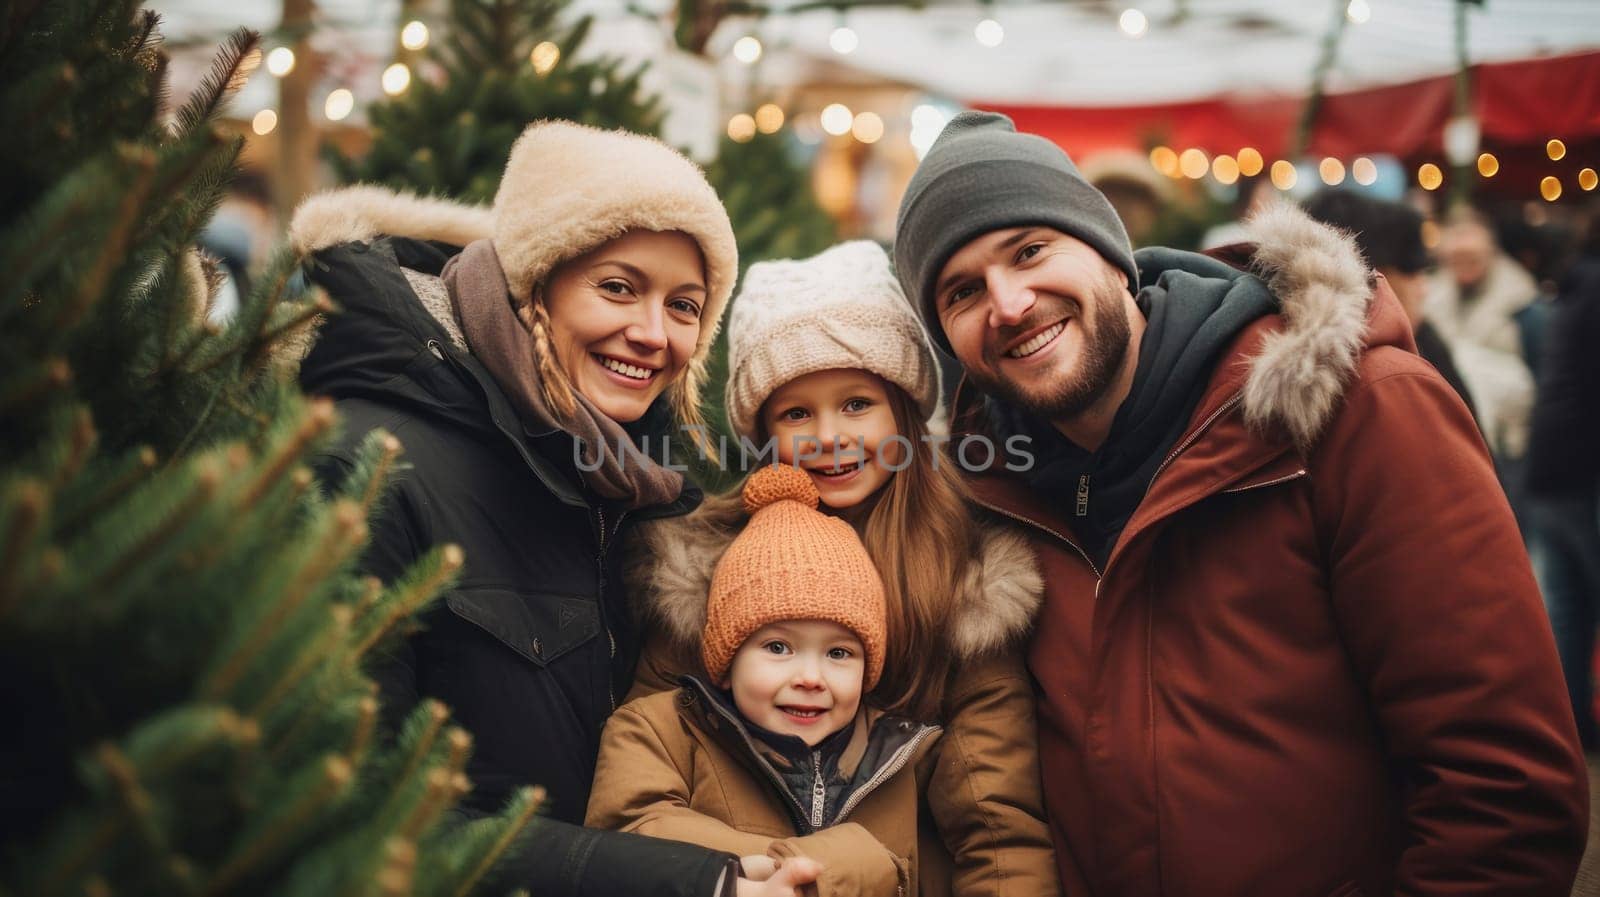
1194	435
1272	482
1099	576
819	791
896	762
1041	527
600	573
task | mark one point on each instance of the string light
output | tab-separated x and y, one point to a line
926	123
769	118
1588	180
1133	23
1193	163
1283	174
1488	165
741	128
396	78
1225	169
1556	150
843	40
747	49
1358	11
1332	171
1365	171
544	57
989	33
1550	189
339	104
1165	160
414	36
264	122
1429	177
280	61
837	119
867	127
1250	162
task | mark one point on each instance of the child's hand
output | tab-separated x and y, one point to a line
759	867
787	881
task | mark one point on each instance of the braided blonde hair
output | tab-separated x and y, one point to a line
560	396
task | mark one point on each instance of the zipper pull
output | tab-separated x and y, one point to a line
819	791
1083	495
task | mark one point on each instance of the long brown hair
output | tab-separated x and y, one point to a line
919	534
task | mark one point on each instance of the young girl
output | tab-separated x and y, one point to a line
828	359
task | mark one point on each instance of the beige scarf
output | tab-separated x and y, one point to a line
482	303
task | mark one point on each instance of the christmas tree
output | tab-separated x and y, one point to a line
502	64
181	629
775	215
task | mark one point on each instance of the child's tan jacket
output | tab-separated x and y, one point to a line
684	765
982	828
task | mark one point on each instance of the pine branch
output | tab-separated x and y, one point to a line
311	796
346	530
231	67
522	810
426	578
28	502
115	249
135	467
333	634
34	384
207	479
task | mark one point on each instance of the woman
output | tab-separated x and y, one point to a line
830	368
494	343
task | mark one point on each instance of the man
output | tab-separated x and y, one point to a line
1290	642
1389	235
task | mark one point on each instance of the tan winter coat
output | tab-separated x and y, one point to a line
986	835
681	765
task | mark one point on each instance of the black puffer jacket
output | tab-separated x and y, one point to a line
1564	446
532	650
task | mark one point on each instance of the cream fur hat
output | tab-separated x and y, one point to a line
842	308
569	188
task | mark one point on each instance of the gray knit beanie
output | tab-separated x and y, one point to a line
981	176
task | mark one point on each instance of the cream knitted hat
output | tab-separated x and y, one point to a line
842	308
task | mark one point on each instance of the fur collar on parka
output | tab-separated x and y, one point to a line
669	576
1323	288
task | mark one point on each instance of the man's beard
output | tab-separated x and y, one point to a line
1105	345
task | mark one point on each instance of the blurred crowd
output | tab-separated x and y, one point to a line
1510	315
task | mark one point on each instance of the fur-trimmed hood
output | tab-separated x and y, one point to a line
669	569
1324	289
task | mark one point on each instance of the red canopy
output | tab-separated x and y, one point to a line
1519	106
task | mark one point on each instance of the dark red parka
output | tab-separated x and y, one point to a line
1315	662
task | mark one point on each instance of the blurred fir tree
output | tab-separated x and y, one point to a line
180	627
775	215
453	137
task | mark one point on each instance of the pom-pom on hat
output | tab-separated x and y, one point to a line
792	562
841	308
